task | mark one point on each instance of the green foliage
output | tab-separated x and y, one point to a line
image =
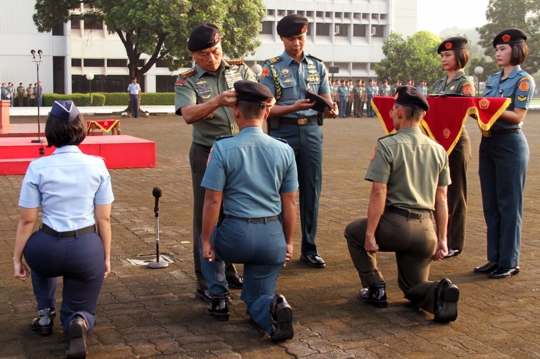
505	14
160	28
412	58
489	67
147	98
80	99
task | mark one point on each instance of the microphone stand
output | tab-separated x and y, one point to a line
157	264
38	62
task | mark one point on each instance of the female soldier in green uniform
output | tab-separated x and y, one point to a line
454	57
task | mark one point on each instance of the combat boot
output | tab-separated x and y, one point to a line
446	299
43	324
282	319
218	308
375	295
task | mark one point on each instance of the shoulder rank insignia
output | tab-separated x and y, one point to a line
275	60
522	98
221	138
236	62
526	78
315	57
280	139
188	73
383	137
180	82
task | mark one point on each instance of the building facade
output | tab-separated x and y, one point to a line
348	34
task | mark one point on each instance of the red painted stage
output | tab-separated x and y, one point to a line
119	151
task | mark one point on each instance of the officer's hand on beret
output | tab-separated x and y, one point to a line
303	104
271	102
227	98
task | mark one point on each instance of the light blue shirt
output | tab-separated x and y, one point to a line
251	170
134	88
294	79
66	185
342	91
518	86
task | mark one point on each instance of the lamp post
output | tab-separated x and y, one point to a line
478	70
257	69
38	62
90	77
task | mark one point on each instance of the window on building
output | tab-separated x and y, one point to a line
291	12
267	27
309	13
94	62
365	16
76	62
102	83
384	16
281	12
161	64
339	15
140	63
165	83
356	15
347	15
300	12
375	16
116	63
341	30
379	30
93	25
75	22
319	13
323	29
359	30
328	14
270	12
58	29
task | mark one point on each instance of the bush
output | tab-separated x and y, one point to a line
80	99
148	98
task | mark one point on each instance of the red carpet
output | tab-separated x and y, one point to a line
119	151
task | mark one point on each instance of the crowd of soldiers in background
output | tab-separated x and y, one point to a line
353	99
23	96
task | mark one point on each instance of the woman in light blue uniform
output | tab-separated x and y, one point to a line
504	156
74	192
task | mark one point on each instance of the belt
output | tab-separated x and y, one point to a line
297	121
255	220
494	133
69	234
405	213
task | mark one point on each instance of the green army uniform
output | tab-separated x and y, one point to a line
385	90
406	227
194	87
21	93
459	162
358	92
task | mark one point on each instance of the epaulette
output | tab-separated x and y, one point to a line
221	138
280	140
467	83
236	62
316	58
275	60
383	137
188	73
526	78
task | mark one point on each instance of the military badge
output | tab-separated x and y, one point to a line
522	98
180	82
452	88
288	81
446	133
467	90
265	72
304	28
506	38
524	86
285	71
374	152
204	90
448	45
484	103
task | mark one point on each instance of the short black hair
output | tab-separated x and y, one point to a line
462	58
60	133
519	53
251	110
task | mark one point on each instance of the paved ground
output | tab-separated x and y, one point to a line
152	313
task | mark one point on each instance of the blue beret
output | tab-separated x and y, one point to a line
65	110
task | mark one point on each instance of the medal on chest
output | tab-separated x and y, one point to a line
231	76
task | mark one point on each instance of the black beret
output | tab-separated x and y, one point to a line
250	91
509	36
411	97
320	102
292	25
65	110
203	36
452	43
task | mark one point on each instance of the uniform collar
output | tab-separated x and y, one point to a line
414	129
67	149
250	130
514	72
287	59
458	76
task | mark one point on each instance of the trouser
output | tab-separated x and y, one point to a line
262	248
369	108
134	105
503	168
342	106
357	107
20	101
413	240
80	260
349	107
306	141
458	162
198	157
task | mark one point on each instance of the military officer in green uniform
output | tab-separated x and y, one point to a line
385	89
204	97
454	57
358	91
410	174
21	94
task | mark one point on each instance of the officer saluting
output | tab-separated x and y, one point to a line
288	77
205	97
410	176
255	178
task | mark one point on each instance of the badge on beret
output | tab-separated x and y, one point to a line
265	72
506	38
304	29
524	86
448	45
484	103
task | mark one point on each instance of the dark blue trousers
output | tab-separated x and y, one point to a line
369	107
80	260
134	105
306	141
503	168
342	106
262	248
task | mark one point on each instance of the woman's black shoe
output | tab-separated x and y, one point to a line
504	272
486	268
43	324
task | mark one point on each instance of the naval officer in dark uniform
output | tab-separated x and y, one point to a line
410	176
205	97
289	76
254	176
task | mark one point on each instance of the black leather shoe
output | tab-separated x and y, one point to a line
282	319
313	260
375	295
446	298
218	308
43	324
77	338
235	282
486	268
502	272
203	295
452	253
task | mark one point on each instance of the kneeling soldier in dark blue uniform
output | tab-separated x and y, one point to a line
255	178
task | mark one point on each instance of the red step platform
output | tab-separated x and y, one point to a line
119	151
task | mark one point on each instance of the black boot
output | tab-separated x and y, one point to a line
375	295
218	308
446	298
77	331
282	319
43	324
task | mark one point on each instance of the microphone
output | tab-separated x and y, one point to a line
157	192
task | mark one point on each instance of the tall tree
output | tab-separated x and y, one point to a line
412	58
505	14
160	28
